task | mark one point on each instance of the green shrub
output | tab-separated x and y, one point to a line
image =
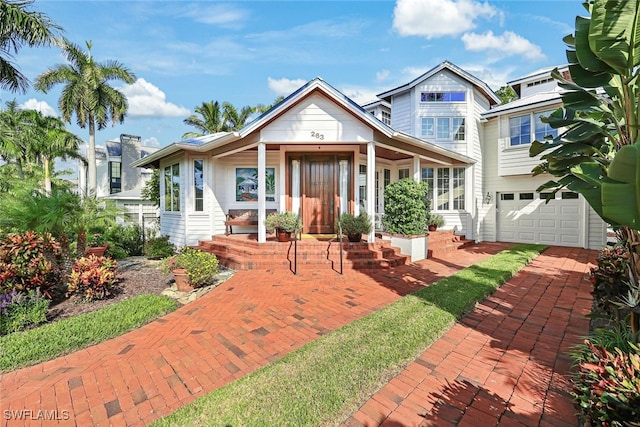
201	266
406	207
435	219
19	310
29	261
92	278
285	221
159	247
607	385
609	280
124	240
352	224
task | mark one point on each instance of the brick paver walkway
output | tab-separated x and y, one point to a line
505	363
257	317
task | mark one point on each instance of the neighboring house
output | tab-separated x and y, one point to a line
319	153
118	180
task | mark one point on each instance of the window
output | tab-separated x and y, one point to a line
568	195
427	177
443	128
403	173
442	97
458	129
507	196
458	188
447	185
115	178
543	129
525	196
198	185
172	188
362	187
386	118
442	190
428	129
521	132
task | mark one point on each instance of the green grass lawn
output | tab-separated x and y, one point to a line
56	339
326	380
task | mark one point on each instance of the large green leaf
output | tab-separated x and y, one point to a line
614	34
621	193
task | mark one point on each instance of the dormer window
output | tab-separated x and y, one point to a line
442	96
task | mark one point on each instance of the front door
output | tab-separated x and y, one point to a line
319	194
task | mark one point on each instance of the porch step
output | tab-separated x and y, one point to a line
244	254
444	242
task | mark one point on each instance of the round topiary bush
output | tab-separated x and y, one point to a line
406	207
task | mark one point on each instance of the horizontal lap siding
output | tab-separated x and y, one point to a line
401	113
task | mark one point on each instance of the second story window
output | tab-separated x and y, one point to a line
443	128
442	97
386	118
522	132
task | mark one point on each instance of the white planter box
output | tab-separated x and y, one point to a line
414	246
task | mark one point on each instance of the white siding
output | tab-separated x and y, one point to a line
597	235
199	225
316	120
401	112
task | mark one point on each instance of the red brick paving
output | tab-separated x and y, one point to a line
257	317
505	362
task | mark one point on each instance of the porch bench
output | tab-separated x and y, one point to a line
242	217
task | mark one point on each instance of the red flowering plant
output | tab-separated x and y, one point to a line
92	278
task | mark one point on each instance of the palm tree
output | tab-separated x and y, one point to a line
210	120
19	26
12	148
50	140
236	120
87	94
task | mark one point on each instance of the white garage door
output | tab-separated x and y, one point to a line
524	217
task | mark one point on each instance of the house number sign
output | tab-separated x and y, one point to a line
317	135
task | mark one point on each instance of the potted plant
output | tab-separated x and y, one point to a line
435	221
283	223
191	268
96	245
405	217
355	226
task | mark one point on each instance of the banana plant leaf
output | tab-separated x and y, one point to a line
621	193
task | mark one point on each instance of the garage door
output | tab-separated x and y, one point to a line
524	217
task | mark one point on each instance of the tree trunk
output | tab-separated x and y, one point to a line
632	239
91	159
47	177
81	243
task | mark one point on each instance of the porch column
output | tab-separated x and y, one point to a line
417	173
262	191
371	187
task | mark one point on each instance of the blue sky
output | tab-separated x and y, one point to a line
249	52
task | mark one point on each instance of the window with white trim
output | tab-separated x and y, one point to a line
446	187
522	132
442	96
443	128
386	118
403	173
198	185
172	188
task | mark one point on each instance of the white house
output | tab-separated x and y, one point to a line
319	153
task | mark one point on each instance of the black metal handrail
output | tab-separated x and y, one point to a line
340	239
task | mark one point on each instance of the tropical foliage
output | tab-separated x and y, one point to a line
212	117
202	267
87	94
21	26
92	278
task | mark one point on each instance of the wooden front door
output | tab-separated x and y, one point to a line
319	193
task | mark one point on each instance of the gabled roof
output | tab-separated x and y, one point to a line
536	100
446	65
209	142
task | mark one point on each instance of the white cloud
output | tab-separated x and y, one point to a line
284	86
438	18
360	95
507	44
382	75
147	100
42	106
495	77
224	15
151	142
